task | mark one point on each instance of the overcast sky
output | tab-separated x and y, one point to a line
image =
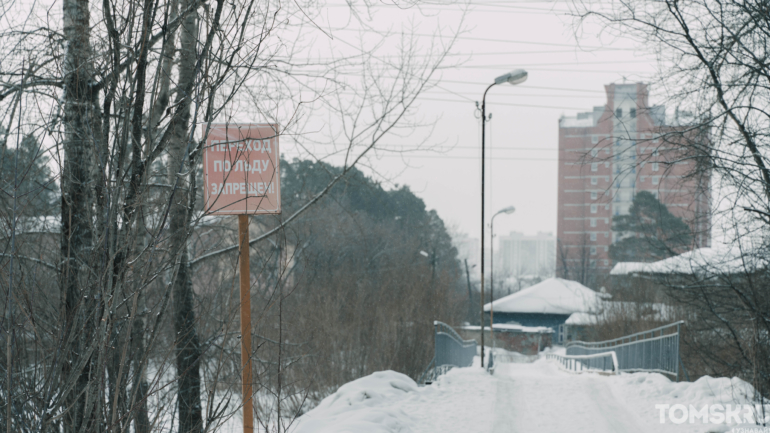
567	75
522	138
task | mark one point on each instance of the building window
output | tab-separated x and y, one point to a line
655	180
618	112
655	166
606	164
594	195
593	222
606	207
593	208
655	152
606	262
593	251
633	113
594	166
592	263
594	180
594	152
594	139
606	178
593	238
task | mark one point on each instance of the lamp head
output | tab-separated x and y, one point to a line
517	76
508	210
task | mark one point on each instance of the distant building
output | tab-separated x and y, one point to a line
521	255
608	155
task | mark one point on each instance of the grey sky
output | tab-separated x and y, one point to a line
523	135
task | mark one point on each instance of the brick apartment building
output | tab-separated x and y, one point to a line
608	155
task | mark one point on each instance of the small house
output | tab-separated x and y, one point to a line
546	304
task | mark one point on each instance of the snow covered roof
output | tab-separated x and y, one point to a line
700	261
512	327
607	310
552	296
582	319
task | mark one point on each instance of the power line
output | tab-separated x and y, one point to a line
505	41
526	86
509	104
405	156
518	95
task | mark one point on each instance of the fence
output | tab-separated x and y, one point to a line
450	351
606	361
643	351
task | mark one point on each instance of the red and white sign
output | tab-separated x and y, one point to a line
241	169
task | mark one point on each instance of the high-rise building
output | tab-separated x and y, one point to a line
521	255
608	155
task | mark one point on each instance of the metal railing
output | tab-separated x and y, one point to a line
655	350
606	361
450	351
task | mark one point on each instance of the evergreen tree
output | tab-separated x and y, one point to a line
25	172
399	209
650	232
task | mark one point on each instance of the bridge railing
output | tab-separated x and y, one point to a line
655	350
606	361
450	351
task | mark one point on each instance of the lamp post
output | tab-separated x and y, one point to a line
516	76
509	210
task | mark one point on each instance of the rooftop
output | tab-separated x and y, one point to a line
552	296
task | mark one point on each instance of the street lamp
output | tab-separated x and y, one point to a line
517	76
509	210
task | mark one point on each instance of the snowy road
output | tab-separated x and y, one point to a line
563	402
536	397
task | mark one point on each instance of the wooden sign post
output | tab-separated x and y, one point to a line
245	273
242	177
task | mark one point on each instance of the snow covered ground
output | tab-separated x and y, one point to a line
523	397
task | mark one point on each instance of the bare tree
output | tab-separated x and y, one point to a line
712	57
117	92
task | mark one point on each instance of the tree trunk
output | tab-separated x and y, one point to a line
188	351
79	303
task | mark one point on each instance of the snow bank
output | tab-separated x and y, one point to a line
706	390
364	405
644	391
462	400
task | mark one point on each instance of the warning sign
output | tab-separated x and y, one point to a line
241	169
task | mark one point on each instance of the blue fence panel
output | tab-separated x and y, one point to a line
654	350
450	351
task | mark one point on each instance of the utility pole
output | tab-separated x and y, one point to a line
470	293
